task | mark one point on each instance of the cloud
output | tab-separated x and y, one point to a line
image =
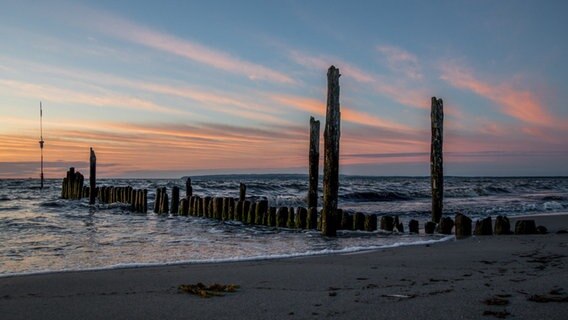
517	103
56	94
401	61
241	105
317	107
123	29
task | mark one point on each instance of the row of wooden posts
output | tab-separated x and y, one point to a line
331	217
73	188
463	226
260	213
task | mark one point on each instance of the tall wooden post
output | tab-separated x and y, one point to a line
313	169
188	188
331	157
242	191
436	159
92	177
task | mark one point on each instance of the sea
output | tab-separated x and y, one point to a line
40	232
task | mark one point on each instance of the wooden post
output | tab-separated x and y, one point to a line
231	210
190	209
370	223
436	158
281	217
358	221
245	213
313	170
331	154
196	204
184	207
145	202
242	191
261	209
251	215
291	221
133	202
301	218
70	182
271	217
188	188
346	221
174	208
164	207
157	200
218	208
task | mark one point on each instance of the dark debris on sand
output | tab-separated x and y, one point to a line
203	291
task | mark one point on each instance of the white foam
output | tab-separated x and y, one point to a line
349	250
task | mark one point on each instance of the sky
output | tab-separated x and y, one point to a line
173	88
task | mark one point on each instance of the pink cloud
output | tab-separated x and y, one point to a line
51	93
517	103
240	105
317	107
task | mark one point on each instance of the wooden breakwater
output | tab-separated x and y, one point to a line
73	188
72	185
260	213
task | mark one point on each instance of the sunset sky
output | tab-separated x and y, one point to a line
173	88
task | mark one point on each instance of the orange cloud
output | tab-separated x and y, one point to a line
160	147
519	104
316	107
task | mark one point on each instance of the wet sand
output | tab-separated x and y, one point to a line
475	278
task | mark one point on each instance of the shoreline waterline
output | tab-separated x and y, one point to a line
355	250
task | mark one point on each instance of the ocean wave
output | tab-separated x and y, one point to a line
375	196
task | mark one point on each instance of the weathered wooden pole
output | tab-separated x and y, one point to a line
313	169
174	208
242	191
436	159
188	188
157	200
164	205
331	154
145	201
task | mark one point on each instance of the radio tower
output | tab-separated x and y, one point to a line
41	141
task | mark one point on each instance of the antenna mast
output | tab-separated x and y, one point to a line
41	141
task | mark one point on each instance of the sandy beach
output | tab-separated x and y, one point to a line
476	278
